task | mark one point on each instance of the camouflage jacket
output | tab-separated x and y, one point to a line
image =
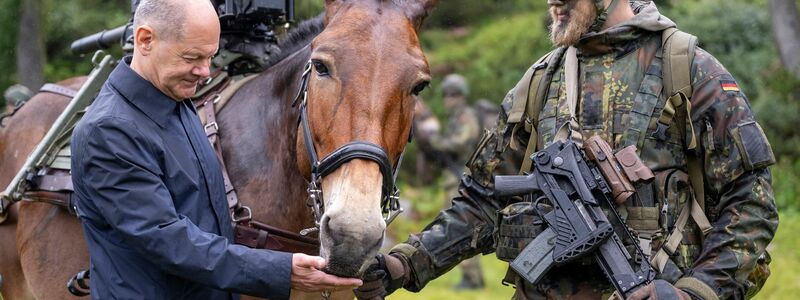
615	69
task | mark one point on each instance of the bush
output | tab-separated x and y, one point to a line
737	32
492	57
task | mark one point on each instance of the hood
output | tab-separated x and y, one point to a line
624	36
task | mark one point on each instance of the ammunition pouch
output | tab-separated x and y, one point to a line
518	224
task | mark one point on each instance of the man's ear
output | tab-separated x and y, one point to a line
144	38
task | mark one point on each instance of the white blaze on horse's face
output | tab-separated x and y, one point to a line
367	71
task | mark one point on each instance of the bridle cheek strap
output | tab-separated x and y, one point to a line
390	203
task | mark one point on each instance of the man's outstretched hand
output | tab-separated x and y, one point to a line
307	276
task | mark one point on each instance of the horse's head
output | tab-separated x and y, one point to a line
367	69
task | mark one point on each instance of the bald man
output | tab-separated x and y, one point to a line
148	188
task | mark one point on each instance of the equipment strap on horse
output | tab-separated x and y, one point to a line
209	101
40	165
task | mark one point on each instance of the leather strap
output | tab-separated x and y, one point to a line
212	131
55	187
58	90
247	232
258	235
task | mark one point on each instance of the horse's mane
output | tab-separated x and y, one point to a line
298	38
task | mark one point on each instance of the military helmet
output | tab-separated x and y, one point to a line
455	84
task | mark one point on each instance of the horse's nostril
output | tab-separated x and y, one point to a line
324	224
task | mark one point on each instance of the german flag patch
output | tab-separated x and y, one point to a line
729	85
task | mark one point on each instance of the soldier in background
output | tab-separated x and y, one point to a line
448	149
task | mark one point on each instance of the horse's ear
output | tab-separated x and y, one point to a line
418	10
331	6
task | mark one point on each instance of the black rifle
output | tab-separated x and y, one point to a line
572	193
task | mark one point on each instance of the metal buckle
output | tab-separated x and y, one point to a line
393	214
209	125
315	202
393	206
217	97
247	217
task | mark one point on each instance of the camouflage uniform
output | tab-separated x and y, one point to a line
617	67
462	132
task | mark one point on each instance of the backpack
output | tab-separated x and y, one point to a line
678	49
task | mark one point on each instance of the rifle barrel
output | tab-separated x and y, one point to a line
101	40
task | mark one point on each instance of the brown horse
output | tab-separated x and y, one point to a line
368	67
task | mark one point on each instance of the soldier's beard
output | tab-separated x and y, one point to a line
578	21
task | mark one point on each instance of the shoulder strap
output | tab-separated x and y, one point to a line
679	48
543	72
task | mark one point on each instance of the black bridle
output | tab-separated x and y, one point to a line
390	195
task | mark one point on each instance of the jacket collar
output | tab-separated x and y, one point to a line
626	36
141	93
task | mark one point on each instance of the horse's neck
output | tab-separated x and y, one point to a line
258	132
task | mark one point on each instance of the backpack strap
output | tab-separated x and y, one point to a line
679	48
534	94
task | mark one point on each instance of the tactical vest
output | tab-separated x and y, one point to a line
671	69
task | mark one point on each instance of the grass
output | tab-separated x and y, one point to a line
784	283
442	288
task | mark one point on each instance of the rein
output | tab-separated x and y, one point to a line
390	194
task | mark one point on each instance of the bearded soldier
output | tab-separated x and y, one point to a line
700	139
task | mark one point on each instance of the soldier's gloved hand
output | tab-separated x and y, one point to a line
659	290
386	274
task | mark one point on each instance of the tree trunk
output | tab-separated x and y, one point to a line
30	45
786	29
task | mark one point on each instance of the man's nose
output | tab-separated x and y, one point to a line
202	71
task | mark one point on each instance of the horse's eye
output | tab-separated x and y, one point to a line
419	88
320	67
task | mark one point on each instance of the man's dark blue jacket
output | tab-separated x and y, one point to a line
151	198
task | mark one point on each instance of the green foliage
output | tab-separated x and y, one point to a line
68	20
778	108
784	283
8	41
737	32
493	57
786	185
62	22
308	9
